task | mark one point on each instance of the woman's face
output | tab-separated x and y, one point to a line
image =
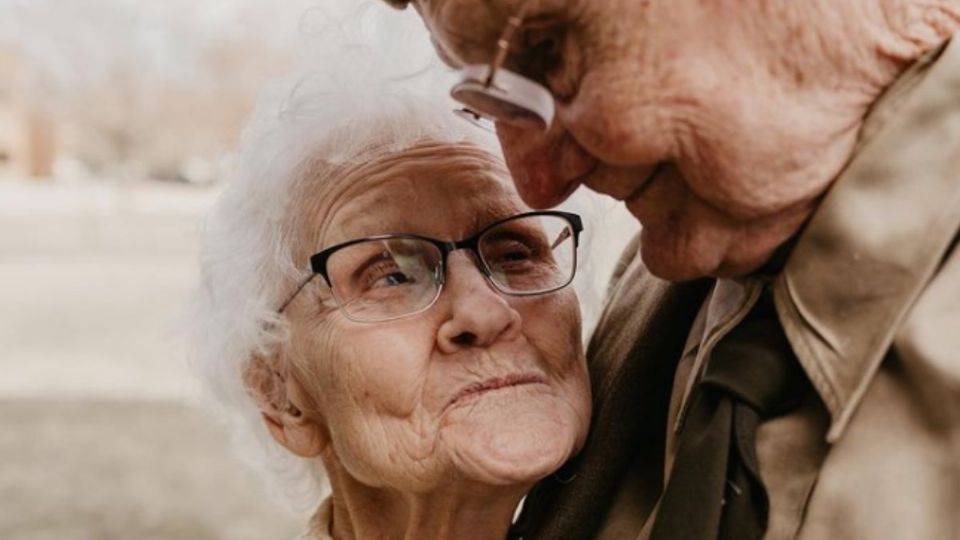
480	386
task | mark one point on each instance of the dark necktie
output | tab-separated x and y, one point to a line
715	490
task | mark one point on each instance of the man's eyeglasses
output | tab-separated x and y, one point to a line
490	93
389	276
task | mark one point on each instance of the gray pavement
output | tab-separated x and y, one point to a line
123	470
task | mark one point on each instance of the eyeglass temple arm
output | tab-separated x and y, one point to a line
503	46
296	292
563	236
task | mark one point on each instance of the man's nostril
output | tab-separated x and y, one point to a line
465	339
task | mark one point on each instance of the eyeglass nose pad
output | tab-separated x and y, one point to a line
508	96
439	275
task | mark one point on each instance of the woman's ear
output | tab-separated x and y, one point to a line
278	394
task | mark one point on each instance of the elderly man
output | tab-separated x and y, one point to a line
796	169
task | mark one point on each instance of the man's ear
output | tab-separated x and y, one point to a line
280	397
398	4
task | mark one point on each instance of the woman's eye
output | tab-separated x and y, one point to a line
514	256
392	279
386	274
514	252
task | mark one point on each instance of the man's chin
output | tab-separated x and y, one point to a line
677	262
667	260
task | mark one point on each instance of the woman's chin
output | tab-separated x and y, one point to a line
500	444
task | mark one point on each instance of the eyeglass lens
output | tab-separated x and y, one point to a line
515	99
384	279
529	255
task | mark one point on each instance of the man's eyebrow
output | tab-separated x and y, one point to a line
445	55
495	12
491	6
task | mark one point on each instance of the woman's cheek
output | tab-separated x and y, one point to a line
556	333
384	368
553	327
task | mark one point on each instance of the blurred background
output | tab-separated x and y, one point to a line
114	115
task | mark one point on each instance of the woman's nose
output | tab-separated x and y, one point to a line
477	315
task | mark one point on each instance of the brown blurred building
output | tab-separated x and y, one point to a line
28	142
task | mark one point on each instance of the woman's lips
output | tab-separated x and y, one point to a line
494	383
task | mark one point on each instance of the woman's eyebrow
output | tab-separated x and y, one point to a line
524	236
506	235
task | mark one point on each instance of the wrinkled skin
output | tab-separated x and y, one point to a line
718	124
380	394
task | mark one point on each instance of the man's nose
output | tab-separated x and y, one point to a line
547	166
476	314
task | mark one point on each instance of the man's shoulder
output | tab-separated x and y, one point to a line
646	317
635	300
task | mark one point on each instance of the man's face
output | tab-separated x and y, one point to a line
668	106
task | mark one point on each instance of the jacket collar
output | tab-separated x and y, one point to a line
878	236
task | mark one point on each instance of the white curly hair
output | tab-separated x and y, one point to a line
359	106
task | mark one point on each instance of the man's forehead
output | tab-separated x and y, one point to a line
466	31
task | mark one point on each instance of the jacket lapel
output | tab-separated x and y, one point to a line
632	357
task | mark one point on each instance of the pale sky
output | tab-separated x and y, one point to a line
76	40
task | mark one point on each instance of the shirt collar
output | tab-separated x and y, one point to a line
878	235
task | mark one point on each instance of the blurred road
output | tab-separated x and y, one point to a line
98	437
125	470
93	276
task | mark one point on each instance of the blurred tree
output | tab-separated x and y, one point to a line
149	85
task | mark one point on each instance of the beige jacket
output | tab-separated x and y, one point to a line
870	301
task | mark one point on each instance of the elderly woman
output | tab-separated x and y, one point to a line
379	301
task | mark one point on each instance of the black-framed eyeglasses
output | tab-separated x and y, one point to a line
385	277
491	93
